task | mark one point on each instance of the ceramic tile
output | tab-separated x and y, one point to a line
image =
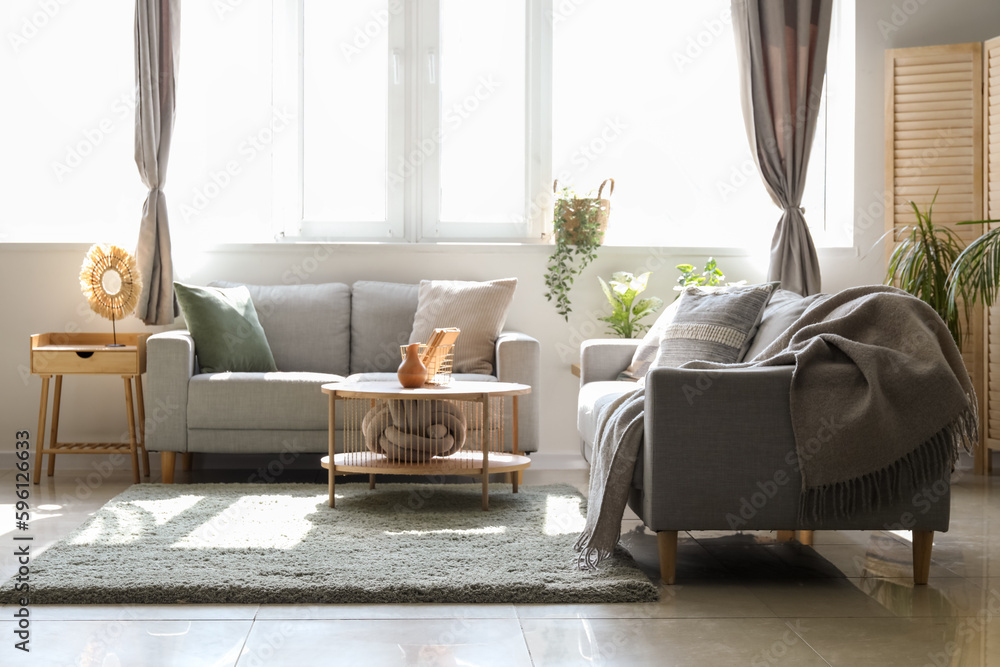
125	642
941	597
817	597
384	611
611	642
706	599
860	561
456	641
110	612
905	642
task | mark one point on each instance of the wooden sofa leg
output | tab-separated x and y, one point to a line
923	541
167	466
667	542
186	460
785	535
805	537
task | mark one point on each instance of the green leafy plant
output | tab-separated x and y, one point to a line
710	276
975	273
626	312
579	231
923	261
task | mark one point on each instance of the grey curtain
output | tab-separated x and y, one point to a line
157	42
781	47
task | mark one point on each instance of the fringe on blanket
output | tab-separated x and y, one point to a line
923	465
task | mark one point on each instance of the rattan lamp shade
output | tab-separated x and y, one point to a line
104	268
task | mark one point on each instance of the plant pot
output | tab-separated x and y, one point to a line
573	214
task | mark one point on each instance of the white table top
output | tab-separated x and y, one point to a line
453	390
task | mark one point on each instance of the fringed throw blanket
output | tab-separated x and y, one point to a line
414	431
879	395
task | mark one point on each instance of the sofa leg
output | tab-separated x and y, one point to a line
805	537
186	460
667	542
785	535
167	466
923	541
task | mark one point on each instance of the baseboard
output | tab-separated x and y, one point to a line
558	461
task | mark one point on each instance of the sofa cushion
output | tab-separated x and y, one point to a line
479	309
381	321
784	308
646	352
308	326
713	324
391	377
593	397
268	401
227	334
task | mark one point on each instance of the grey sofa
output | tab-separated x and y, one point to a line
317	334
719	452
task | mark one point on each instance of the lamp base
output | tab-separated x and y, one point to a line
114	345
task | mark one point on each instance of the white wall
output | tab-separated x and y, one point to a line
40	280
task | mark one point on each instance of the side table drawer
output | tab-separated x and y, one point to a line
61	362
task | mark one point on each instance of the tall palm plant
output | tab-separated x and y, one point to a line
975	273
922	263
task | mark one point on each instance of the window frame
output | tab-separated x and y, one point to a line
414	120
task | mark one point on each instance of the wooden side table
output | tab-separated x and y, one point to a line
58	354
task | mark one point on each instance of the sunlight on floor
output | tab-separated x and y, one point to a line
563	515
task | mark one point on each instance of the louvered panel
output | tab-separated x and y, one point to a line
934	145
991	205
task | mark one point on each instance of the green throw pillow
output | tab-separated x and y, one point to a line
227	334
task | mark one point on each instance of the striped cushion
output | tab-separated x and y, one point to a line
713	324
479	309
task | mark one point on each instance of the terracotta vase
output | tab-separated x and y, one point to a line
412	373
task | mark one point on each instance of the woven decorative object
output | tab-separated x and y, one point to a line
105	267
437	359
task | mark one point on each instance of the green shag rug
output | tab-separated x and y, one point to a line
281	543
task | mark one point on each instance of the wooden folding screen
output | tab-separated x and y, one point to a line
934	144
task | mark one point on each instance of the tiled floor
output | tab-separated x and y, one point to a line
741	599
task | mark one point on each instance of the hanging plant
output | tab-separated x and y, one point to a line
579	225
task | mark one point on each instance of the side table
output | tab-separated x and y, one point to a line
58	354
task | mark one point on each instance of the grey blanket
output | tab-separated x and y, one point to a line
879	395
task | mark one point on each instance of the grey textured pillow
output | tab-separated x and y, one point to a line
782	310
479	309
713	324
650	346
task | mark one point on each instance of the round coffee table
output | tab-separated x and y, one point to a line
481	404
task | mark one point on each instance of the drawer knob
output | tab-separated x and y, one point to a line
85	355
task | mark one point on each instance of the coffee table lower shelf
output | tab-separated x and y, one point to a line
462	463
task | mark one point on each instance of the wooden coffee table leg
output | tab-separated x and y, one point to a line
515	476
331	446
486	451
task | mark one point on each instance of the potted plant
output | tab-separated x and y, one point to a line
621	291
579	225
710	276
922	263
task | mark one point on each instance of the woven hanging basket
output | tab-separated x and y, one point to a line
573	212
104	268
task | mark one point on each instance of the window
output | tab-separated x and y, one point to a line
406	120
647	92
414	119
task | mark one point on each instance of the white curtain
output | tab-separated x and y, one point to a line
157	42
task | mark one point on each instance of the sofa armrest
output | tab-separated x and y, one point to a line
170	364
518	359
604	358
715	437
